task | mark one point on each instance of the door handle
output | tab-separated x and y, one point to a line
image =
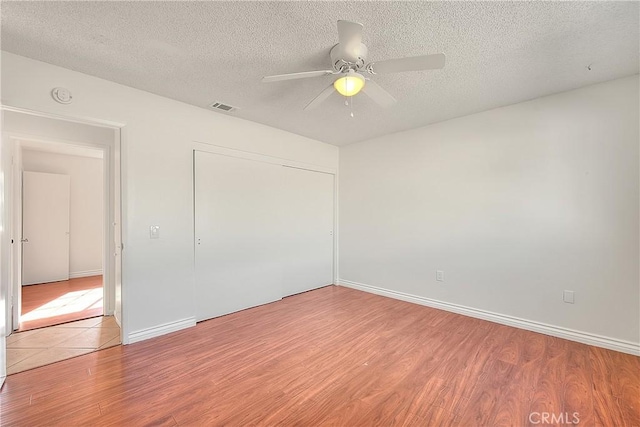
25	240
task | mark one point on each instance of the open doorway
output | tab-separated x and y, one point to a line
65	239
62	222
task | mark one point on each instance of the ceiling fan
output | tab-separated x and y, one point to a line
348	62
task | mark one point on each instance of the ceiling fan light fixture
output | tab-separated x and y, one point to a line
349	84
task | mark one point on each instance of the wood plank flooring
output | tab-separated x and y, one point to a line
333	356
53	303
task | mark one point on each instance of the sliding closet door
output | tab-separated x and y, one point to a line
237	234
308	235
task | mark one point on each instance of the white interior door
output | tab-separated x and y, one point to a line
308	235
237	232
45	227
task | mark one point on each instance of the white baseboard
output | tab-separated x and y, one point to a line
530	325
77	274
40	282
156	331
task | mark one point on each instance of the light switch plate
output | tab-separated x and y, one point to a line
154	232
440	275
567	297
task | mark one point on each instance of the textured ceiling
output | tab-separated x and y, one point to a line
498	53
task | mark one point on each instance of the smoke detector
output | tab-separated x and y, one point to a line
61	95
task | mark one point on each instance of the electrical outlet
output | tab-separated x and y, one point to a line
567	297
154	232
440	275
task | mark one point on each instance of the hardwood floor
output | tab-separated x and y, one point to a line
334	356
54	303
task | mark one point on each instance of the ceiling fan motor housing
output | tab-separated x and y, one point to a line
347	57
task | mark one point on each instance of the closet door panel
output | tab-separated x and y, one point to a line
238	222
308	236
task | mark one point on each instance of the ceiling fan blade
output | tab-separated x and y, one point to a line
378	94
412	63
320	98
349	33
294	76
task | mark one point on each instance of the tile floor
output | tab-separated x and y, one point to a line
39	347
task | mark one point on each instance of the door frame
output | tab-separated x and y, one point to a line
112	207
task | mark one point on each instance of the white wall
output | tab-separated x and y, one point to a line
157	144
85	213
515	205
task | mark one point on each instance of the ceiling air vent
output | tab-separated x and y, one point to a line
223	107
